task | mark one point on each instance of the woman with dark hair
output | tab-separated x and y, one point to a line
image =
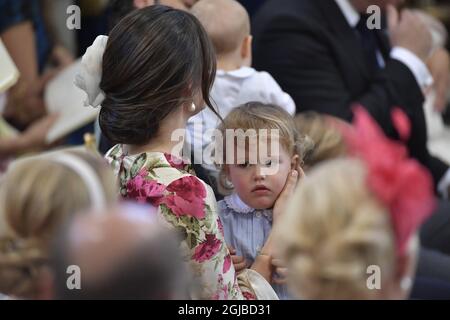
157	68
118	10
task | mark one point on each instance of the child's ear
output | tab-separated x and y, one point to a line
246	50
295	162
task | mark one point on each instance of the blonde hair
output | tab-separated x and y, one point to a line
37	195
334	229
326	141
226	22
257	115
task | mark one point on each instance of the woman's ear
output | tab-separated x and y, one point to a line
246	51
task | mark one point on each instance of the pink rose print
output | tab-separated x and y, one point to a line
189	188
207	249
144	190
220	226
181	207
188	197
248	296
227	264
175	162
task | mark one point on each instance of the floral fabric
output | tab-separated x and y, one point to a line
189	206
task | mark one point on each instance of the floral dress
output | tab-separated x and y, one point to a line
189	206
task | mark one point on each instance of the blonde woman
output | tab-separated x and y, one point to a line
350	229
324	142
36	195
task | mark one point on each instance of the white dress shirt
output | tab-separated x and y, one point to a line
417	67
407	57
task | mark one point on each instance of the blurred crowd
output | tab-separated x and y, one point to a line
338	189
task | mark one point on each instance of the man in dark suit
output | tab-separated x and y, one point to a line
252	5
324	55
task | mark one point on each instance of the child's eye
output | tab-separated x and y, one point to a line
244	165
268	163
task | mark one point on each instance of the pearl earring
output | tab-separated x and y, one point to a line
193	108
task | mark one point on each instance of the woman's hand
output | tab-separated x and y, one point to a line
280	272
263	263
286	194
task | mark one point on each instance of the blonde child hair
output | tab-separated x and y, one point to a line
36	195
256	115
325	139
334	229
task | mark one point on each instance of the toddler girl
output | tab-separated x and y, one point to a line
247	213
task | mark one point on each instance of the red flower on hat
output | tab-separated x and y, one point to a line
400	183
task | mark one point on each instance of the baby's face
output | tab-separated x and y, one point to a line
259	185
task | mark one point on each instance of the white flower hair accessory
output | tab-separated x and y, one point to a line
90	75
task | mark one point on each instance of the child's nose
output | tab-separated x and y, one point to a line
259	173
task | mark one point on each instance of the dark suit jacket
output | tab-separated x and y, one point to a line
252	5
310	49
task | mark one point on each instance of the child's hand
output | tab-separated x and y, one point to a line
280	274
240	264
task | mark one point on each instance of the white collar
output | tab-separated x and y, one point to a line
351	15
243	72
235	203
